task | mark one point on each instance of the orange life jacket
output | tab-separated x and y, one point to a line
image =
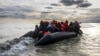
46	33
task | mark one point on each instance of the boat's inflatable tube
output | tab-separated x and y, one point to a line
54	37
28	34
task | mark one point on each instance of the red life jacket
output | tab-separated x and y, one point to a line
64	26
46	33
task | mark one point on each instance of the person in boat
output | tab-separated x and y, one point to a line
40	35
36	31
46	32
41	25
63	26
70	27
56	29
66	24
76	27
59	26
50	27
46	23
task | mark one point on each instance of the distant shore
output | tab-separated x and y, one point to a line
34	21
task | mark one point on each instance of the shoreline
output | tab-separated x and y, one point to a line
13	20
34	21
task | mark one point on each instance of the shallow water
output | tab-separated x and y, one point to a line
86	45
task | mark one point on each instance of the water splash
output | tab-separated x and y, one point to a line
17	48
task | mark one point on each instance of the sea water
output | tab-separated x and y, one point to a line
87	44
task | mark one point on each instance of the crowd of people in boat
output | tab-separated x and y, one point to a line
47	27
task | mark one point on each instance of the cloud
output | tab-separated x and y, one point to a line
84	4
79	3
54	4
49	7
15	12
45	12
71	2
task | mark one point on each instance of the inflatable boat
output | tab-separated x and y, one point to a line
54	37
50	38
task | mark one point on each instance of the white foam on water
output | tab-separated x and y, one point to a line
86	25
18	47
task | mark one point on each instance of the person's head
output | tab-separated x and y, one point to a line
58	23
54	21
41	21
66	21
71	23
36	25
76	22
62	22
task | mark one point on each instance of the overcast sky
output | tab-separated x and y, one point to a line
23	8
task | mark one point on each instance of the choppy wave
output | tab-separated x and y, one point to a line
12	47
24	46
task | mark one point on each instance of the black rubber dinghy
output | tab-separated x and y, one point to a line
28	34
54	37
